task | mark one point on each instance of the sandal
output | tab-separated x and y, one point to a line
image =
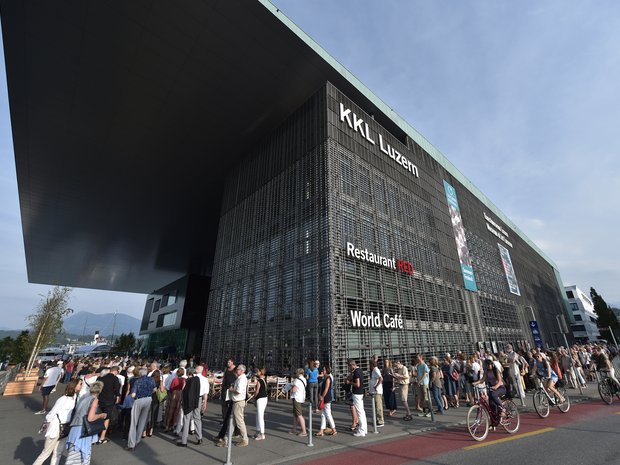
318	435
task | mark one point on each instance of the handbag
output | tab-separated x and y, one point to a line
90	428
322	404
63	429
161	395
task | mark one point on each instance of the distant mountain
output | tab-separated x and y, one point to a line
87	323
9	333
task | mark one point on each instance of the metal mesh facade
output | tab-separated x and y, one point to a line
269	302
284	286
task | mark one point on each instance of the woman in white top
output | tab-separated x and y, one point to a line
89	378
60	413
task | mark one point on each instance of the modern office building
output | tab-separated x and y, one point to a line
585	328
213	156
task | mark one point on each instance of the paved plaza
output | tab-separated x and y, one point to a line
21	444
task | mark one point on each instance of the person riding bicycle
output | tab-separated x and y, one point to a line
492	376
550	377
604	364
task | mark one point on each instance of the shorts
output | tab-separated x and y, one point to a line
404	392
46	390
296	409
106	407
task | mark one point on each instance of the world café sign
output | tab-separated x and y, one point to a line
377	320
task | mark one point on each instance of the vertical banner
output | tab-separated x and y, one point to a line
509	270
536	334
459	235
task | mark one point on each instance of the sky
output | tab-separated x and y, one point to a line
20	298
522	97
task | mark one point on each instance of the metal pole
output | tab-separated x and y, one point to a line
374	414
229	434
612	336
429	402
310	427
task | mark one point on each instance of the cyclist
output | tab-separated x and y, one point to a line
603	364
492	376
544	370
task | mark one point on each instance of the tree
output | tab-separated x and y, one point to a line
47	321
16	350
606	316
125	343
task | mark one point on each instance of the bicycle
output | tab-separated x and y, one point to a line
606	387
481	416
543	400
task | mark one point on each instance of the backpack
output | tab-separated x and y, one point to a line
454	374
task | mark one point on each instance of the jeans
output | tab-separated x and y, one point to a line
437	396
313	389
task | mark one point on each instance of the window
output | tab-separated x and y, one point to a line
156	306
570	294
170	318
578	318
169	299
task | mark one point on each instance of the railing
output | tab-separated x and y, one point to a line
8	375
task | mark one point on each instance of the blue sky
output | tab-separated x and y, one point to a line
523	97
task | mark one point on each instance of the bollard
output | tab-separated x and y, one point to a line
374	414
429	402
229	433
310	428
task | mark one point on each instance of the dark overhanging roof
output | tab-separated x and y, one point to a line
126	117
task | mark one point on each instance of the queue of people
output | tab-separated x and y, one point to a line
132	398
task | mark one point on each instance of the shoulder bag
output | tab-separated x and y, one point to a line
90	428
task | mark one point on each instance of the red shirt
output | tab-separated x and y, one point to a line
177	384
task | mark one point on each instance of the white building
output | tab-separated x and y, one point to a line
585	328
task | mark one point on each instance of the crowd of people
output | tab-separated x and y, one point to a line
132	397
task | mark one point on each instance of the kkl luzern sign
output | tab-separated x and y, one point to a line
360	126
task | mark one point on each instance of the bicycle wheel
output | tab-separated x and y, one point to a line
605	391
511	421
564	406
478	422
541	404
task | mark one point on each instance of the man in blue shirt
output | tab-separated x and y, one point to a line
422	375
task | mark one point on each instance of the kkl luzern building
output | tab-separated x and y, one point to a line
272	207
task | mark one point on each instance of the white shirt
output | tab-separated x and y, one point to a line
374	377
204	384
52	376
240	387
60	413
121	379
299	394
475	368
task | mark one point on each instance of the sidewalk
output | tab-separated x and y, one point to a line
21	444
